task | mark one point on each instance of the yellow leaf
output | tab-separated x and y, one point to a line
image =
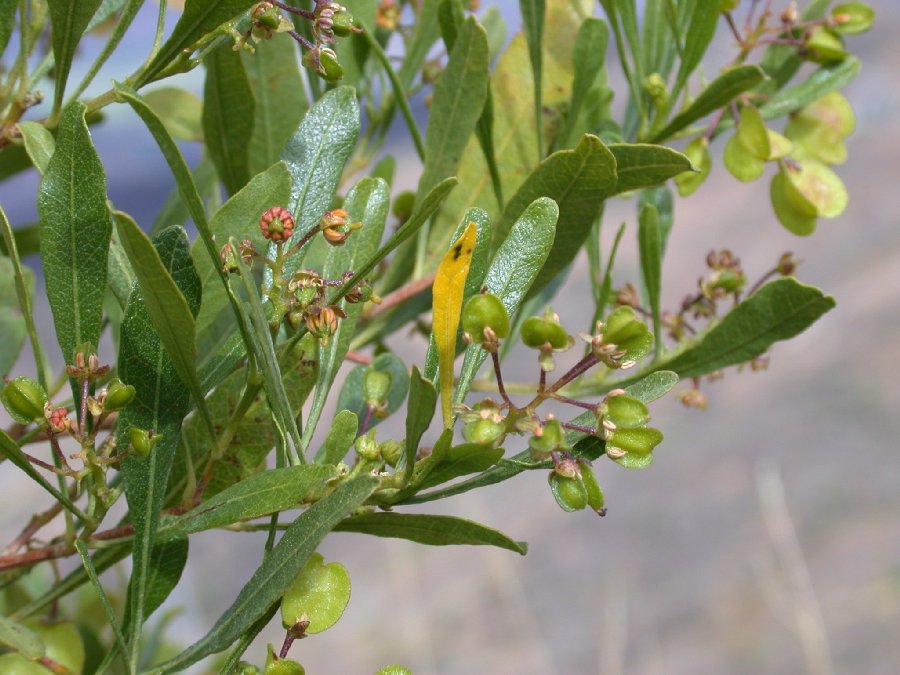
447	292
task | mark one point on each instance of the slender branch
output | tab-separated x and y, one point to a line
496	359
402	294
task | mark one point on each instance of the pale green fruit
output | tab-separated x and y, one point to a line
698	152
741	162
821	187
859	17
784	199
320	591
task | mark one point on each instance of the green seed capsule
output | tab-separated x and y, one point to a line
331	70
118	395
594	494
342	23
284	667
24	399
485	311
569	493
538	331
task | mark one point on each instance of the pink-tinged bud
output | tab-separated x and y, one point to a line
57	419
276	224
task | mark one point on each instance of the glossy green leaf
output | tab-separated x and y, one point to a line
256	433
199	18
578	181
650	250
11	451
779	310
12	320
420	412
352	397
39	143
461	460
515	266
259	495
533	12
719	93
367	203
75	231
588	60
315	157
343	432
430	530
279	98
68	19
641	165
161	403
822	81
238	218
20	638
170	312
458	100
228	109
180	111
277	571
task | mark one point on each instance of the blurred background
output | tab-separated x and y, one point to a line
763	539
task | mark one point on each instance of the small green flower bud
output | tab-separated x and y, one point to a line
118	395
482	311
367	447
538	331
376	386
655	86
569	493
549	438
391	452
24	399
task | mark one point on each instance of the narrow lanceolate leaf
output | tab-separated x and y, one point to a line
512	272
12	318
699	34
315	156
822	81
578	181
343	432
228	110
75	230
459	97
430	530
447	292
161	403
20	638
277	571
641	166
425	34
8	12
266	492
170	312
111	619
650	249
366	204
720	92
422	401
587	64
778	311
68	19
533	12
199	18
460	460
279	97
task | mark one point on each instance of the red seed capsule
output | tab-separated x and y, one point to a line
276	224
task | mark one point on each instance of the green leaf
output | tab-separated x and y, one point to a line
451	15
277	571
367	204
533	13
461	460
12	320
258	495
458	100
662	200
8	12
39	143
21	639
11	450
228	109
279	97
167	561
315	157
657	46
237	218
779	310
420	412
255	432
697	38
641	165
180	111
588	58
167	307
720	92
822	81
88	565
650	248
578	181
512	272
340	437
430	530
68	19
426	32
75	230
199	18
352	397
160	404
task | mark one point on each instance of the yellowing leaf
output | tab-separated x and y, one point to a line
447	291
